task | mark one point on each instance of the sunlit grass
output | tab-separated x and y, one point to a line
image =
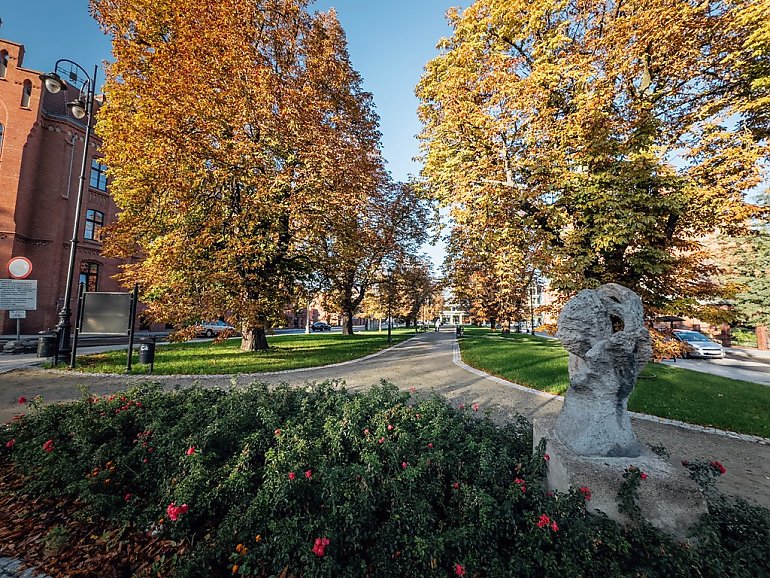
664	391
291	351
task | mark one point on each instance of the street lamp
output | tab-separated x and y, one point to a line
390	299
80	108
531	310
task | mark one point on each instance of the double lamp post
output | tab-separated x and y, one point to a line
80	108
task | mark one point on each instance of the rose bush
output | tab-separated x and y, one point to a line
321	482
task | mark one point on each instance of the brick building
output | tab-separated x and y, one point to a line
41	151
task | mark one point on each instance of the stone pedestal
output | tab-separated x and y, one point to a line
668	498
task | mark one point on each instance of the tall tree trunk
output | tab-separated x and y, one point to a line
492	323
506	326
347	323
254	339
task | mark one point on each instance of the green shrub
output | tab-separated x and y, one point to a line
319	482
743	336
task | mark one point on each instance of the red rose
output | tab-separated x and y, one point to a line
10	443
643	476
718	467
586	492
48	446
292	475
22	400
546	457
309	474
459	570
543	521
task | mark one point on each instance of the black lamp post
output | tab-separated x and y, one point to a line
531	310
390	300
80	108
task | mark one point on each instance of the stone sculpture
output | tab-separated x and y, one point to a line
603	331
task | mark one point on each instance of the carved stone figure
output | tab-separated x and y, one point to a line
603	331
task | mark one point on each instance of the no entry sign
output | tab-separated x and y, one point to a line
19	267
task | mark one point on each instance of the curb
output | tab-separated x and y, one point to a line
457	359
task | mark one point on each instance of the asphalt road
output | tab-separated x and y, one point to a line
744	364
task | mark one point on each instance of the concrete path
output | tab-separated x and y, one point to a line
427	363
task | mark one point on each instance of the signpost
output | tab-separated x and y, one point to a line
16	294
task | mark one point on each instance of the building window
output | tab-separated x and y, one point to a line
26	93
89	275
94	223
2	132
3	63
98	175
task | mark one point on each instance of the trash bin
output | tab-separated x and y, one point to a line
47	344
147	351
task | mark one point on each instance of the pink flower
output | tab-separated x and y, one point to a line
456	485
277	432
643	476
459	570
10	443
319	548
718	467
475	407
390	427
430	446
546	457
518	481
543	521
381	440
404	465
127	497
366	432
48	446
585	490
412	390
461	406
22	400
173	511
554	526
309	474
292	475
190	450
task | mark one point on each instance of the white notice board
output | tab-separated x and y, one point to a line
16	294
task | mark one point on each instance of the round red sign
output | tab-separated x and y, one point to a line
19	267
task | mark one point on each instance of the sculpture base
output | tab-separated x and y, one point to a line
668	498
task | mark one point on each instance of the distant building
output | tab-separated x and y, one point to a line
41	151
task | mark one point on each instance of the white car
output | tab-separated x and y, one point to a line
699	345
212	328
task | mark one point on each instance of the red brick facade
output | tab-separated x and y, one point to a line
41	151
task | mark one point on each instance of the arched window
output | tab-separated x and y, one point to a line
3	63
26	93
2	132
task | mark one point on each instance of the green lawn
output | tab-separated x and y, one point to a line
664	391
286	352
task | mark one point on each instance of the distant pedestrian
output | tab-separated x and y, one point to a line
438	324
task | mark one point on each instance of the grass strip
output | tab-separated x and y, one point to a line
663	391
287	351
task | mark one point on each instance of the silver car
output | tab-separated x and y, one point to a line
699	345
212	328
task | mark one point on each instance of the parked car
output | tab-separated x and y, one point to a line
212	328
320	326
699	345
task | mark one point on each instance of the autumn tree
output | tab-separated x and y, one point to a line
606	127
228	139
388	229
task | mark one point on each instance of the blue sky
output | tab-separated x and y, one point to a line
389	43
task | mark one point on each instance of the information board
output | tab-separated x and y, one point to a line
18	294
106	313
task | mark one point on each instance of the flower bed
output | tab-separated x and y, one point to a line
319	482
